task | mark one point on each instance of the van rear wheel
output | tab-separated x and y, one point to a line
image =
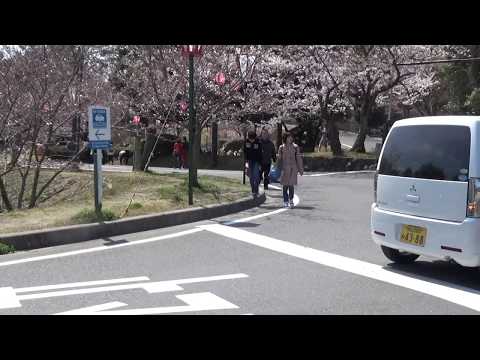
398	256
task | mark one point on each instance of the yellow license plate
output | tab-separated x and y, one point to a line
414	235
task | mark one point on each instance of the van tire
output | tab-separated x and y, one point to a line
399	257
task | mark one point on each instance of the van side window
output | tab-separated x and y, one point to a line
438	152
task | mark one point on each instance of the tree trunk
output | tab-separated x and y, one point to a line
33	195
21	193
215	144
137	154
147	149
333	137
196	154
279	135
3	193
359	145
474	67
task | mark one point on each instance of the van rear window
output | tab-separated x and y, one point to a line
439	152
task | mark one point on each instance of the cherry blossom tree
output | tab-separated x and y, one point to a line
46	88
373	70
301	80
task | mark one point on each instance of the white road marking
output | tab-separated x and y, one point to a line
296	201
9	297
256	217
209	278
469	298
81	284
163	287
195	302
93	309
347	146
341	172
98	248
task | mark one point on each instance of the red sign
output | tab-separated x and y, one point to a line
195	50
183	105
136	119
220	78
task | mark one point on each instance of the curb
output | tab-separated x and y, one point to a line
84	232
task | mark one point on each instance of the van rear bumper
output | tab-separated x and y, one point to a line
457	235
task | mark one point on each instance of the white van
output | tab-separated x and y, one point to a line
427	190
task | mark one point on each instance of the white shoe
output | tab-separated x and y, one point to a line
285	204
292	205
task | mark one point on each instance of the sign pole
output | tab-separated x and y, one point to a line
191	129
98	181
99	135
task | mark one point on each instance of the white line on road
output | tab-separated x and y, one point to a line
296	201
342	172
163	287
99	248
348	146
195	302
462	296
93	309
81	284
9	297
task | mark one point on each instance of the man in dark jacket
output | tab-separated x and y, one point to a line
253	156
268	154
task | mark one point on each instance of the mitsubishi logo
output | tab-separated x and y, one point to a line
412	189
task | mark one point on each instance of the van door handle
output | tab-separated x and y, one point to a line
413	198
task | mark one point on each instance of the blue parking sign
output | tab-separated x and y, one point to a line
99	128
99	118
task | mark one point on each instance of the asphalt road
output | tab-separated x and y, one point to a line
315	259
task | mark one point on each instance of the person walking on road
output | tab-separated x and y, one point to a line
253	156
268	154
178	149
185	152
291	164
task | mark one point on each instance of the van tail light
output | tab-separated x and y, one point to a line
375	181
473	203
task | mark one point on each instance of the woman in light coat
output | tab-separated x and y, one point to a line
291	164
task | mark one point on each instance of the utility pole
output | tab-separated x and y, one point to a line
191	128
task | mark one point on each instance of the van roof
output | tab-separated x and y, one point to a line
440	120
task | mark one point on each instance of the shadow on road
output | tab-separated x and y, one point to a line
244	225
110	242
276	196
300	207
442	273
271	207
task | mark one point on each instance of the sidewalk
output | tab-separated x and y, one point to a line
164	170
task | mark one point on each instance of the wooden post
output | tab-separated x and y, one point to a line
215	144
244	156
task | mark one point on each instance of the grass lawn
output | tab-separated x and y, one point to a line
346	154
153	193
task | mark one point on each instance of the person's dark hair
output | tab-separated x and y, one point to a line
251	134
285	136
